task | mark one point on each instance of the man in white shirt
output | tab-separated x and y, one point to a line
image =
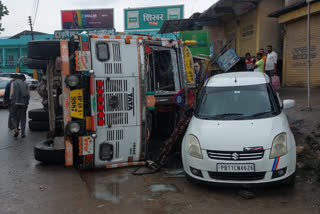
271	62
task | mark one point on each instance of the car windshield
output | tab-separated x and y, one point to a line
237	103
3	83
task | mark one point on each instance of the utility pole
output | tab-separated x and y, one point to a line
30	23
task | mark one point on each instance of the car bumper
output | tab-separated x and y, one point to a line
265	169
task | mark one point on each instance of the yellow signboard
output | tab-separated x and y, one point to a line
76	103
188	62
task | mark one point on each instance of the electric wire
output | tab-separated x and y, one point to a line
36	12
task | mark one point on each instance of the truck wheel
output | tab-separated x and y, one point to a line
39	125
43	49
36	63
38	114
46	152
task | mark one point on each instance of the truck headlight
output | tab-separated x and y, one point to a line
72	80
279	146
194	148
73	127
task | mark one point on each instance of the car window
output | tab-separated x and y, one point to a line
3	83
236	103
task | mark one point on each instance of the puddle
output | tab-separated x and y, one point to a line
105	186
120	187
162	188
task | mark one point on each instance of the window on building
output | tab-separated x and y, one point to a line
10	60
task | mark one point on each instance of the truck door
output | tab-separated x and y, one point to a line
117	111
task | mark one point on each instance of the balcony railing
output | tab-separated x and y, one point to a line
8	63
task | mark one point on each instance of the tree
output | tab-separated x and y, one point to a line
3	12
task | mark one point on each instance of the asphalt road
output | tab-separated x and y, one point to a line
27	186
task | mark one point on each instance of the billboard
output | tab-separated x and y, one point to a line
87	19
152	18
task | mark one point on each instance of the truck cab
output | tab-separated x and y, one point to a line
114	92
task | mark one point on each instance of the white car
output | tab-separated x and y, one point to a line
32	83
239	133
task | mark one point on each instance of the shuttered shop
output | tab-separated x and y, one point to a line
248	28
296	52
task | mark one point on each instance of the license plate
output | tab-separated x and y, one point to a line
76	103
235	167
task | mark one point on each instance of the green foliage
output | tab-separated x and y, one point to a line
3	12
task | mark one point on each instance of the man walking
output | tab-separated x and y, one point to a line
8	101
19	96
271	63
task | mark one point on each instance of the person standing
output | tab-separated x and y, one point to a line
264	57
271	63
19	96
259	65
249	62
7	100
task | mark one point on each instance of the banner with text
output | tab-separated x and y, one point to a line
140	19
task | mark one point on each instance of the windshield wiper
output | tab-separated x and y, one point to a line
218	116
256	115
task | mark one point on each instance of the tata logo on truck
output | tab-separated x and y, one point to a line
130	102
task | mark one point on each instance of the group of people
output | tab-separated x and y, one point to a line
17	97
263	63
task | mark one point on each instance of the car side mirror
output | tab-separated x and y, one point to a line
288	104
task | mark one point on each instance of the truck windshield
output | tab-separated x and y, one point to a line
164	75
237	103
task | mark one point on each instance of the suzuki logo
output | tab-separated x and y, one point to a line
235	156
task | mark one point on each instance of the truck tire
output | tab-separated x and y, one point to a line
36	63
38	115
47	153
43	49
39	125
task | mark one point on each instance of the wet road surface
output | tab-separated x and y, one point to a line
27	186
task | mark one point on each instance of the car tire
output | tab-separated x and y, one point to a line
291	180
43	49
36	63
192	180
47	153
39	125
39	115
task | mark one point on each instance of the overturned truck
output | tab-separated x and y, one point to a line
108	97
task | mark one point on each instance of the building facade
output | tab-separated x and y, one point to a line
295	62
246	25
13	48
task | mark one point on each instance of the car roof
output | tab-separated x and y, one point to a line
237	79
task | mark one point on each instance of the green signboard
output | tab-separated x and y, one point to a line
152	18
202	38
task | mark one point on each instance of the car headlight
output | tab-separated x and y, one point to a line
73	127
279	146
72	80
194	148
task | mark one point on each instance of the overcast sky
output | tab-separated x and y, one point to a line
48	17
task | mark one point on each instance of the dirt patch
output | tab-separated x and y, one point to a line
308	151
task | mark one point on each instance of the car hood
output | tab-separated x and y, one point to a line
235	135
